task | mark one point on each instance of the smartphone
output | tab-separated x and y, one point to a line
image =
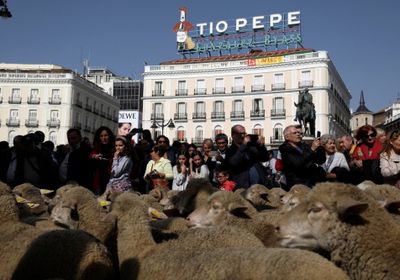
253	137
318	134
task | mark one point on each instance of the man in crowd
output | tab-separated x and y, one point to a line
299	159
243	158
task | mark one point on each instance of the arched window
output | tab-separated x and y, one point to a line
53	137
217	130
257	129
180	133
11	136
277	134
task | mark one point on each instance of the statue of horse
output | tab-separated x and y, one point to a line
306	118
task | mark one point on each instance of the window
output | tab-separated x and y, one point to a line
219	86
257	129
238	85
14	114
11	136
366	121
201	84
54	114
200	87
219	106
199	107
181	134
15	93
258	104
258	83
278	103
199	133
55	96
158	88
217	130
181	86
53	137
32	115
278	82
181	108
305	79
34	93
158	111
278	133
237	106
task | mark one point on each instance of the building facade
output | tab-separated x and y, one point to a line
206	96
129	92
52	99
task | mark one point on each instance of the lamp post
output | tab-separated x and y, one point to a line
163	124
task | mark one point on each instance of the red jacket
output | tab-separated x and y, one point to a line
228	186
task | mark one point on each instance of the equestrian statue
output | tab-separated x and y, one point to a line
305	112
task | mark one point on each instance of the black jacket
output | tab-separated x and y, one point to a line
300	164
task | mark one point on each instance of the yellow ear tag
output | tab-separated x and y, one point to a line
32	205
155	214
20	199
104	203
45	191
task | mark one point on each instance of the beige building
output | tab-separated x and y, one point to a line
52	99
206	96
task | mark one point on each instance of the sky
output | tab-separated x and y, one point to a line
362	37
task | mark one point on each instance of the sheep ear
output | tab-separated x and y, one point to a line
236	208
348	206
392	206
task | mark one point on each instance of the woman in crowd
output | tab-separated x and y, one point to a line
121	167
366	156
335	166
209	157
390	160
169	151
158	170
101	158
191	149
181	172
197	166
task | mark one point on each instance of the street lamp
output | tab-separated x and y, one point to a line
163	124
4	11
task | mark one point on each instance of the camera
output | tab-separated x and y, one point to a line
153	174
253	139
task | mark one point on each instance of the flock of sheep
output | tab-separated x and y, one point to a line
332	231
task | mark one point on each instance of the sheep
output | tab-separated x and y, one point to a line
348	224
32	194
28	252
195	195
205	254
229	208
294	196
261	197
78	208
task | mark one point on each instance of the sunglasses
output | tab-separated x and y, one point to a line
371	135
221	143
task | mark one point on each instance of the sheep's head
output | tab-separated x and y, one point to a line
293	198
33	195
220	208
311	224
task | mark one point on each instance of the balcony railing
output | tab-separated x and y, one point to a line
237	115
53	123
14	99
157	116
88	108
199	116
218	115
218	90
181	92
78	103
197	140
278	113
278	86
96	110
157	92
13	122
31	122
238	89
305	84
257	114
277	139
180	116
87	128
200	91
55	100
33	100
255	88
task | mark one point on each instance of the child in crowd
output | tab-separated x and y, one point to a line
181	172
197	166
223	180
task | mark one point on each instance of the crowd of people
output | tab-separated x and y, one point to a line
115	163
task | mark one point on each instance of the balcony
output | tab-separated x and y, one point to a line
181	92
306	84
31	122
278	86
218	90
95	110
88	108
218	116
157	92
257	114
180	139
12	122
238	89
33	100
237	115
278	113
200	91
14	100
102	114
77	125
78	103
53	123
277	139
257	88
55	100
87	128
180	116
197	140
199	116
157	116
